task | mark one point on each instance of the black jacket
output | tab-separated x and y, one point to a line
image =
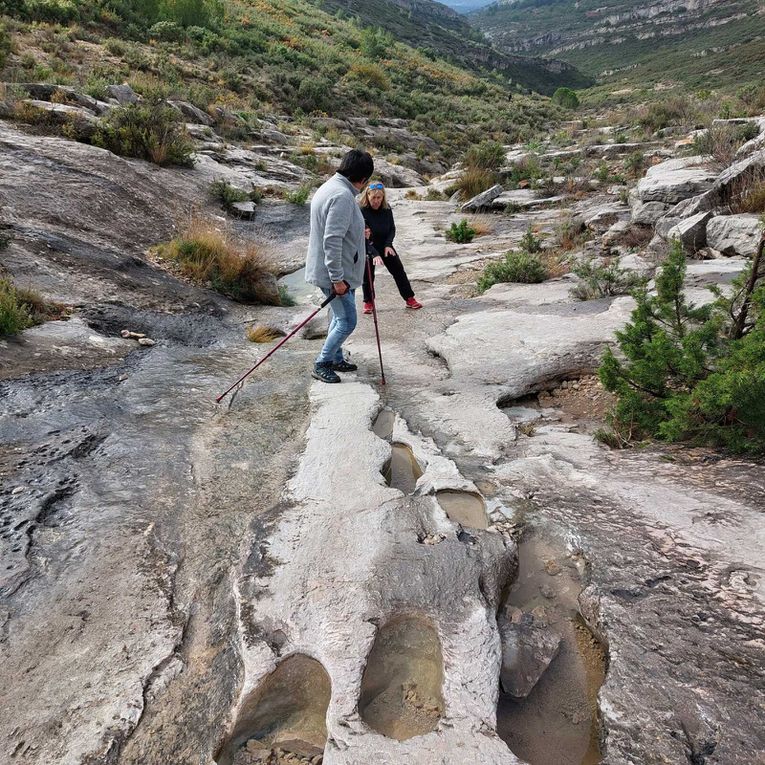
382	225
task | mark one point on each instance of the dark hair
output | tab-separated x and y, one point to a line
357	166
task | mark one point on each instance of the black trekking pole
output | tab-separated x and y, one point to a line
276	347
374	316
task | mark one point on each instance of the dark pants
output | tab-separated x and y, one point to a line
396	269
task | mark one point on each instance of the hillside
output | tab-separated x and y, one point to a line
707	44
440	31
258	58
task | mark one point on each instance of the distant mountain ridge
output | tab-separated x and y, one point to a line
603	36
440	30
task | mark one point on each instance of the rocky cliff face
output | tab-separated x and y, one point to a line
615	33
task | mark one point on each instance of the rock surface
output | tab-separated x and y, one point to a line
156	570
674	180
735	234
528	648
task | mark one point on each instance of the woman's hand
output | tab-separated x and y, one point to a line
390	252
378	261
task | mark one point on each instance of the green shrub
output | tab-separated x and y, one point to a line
526	169
461	232
473	181
14	315
599	280
148	131
23	308
5	44
187	13
519	267
227	194
298	196
285	297
167	31
676	110
530	242
566	98
722	142
692	373
487	155
634	164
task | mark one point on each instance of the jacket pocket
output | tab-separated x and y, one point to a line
356	258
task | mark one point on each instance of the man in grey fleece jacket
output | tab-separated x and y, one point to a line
337	256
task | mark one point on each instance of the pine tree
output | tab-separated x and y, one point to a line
688	372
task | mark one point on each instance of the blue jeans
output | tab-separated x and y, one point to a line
342	312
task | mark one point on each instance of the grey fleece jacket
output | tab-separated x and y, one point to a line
336	245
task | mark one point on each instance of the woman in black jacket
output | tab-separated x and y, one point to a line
380	233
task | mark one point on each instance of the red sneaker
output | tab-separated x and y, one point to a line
367	308
413	303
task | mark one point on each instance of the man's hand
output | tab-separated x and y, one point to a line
389	252
378	261
340	288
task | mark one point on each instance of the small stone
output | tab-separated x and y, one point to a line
147	342
17	490
552	567
130	335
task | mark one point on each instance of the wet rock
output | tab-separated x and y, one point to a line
529	646
734	234
484	199
147	342
129	334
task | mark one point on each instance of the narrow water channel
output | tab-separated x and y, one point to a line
558	721
297	287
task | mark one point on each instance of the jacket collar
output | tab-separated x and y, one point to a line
347	183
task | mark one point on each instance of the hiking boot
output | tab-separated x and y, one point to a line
413	303
344	366
325	374
367	308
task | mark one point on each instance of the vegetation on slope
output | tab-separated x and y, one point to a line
717	46
260	57
438	31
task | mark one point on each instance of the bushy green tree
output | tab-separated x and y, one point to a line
692	373
566	98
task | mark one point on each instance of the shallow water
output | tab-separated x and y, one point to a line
464	508
403	470
558	721
300	291
401	688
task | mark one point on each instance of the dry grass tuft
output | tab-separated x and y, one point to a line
210	257
263	333
555	262
480	226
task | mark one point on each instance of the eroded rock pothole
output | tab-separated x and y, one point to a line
463	507
548	710
284	718
401	694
